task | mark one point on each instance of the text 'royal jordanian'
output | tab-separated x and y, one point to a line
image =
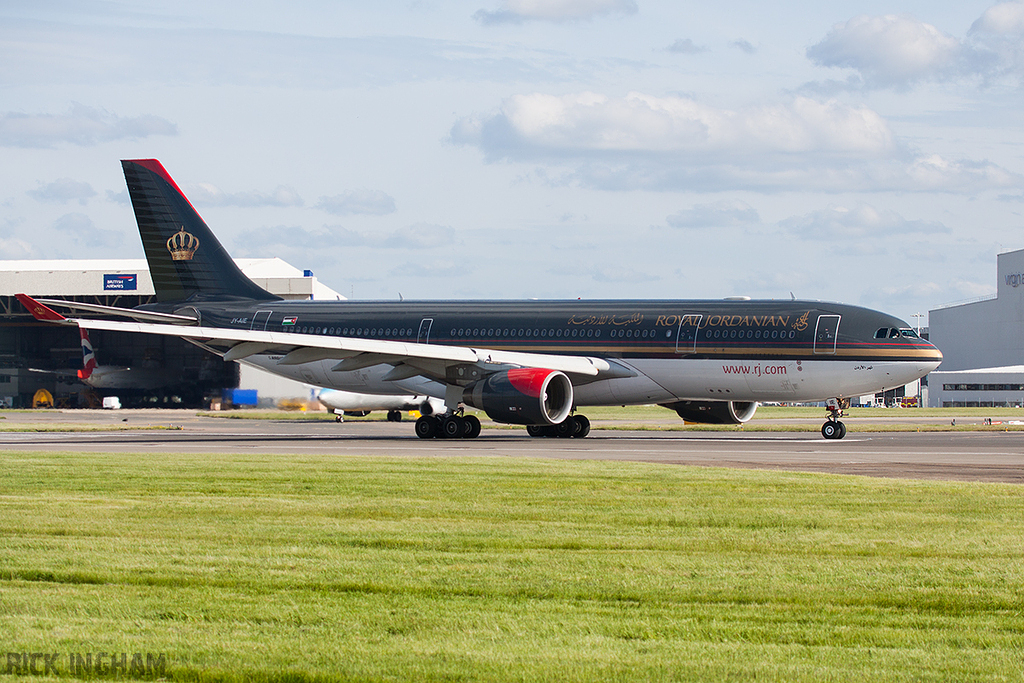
532	363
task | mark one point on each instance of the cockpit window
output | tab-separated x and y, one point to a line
881	333
894	333
910	334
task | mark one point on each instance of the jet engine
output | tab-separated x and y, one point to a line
524	396
714	412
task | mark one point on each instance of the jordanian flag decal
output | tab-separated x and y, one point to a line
289	321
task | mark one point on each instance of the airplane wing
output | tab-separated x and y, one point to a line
148	316
409	359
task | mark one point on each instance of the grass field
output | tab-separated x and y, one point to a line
308	568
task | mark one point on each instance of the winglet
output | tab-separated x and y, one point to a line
38	310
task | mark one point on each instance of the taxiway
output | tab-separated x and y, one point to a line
963	456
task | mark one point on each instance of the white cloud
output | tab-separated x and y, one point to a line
372	202
434	269
923	294
62	191
266	240
418	236
672	143
722	214
890	50
745	45
80	125
859	220
257	242
518	11
898	51
204	194
685	46
16	248
83	232
119	197
540	124
1006	18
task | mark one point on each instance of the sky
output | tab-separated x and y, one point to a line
865	152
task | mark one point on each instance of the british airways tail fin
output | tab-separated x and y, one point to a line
88	356
186	261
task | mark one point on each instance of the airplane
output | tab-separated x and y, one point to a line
359	405
114	377
118	377
531	363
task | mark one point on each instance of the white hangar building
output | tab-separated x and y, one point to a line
982	344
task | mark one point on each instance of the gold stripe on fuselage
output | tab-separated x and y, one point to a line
668	350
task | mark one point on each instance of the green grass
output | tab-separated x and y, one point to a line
308	567
261	414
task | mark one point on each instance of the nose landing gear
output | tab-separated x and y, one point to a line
833	428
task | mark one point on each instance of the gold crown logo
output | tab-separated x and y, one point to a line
182	245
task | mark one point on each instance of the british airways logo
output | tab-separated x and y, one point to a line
120	282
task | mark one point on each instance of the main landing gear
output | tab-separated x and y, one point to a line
456	426
572	427
833	428
452	426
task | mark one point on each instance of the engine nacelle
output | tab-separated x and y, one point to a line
714	412
523	396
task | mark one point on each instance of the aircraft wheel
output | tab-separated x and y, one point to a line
583	426
567	428
535	430
830	430
339	418
842	430
426	427
472	427
394	416
452	427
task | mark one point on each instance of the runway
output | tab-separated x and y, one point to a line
957	456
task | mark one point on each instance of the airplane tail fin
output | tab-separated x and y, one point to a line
88	356
185	260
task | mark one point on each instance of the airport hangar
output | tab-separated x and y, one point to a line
36	355
982	344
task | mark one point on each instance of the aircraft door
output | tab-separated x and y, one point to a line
686	337
260	320
423	337
826	333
